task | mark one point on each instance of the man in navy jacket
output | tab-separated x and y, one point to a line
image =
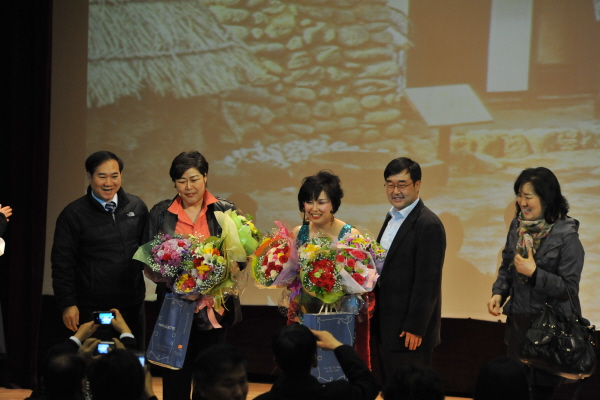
94	241
408	292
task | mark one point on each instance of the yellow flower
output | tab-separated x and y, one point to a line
203	268
309	248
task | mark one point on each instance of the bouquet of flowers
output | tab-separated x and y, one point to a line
249	234
204	270
275	261
319	272
164	256
194	265
357	257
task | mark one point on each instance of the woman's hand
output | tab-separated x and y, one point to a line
494	305
525	266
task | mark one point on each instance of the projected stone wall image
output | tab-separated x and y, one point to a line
272	91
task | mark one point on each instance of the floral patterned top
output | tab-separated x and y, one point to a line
303	234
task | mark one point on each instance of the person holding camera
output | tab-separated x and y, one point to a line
85	332
295	353
63	369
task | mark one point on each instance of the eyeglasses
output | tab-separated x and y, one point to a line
401	186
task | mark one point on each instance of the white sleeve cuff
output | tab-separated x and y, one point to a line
126	335
73	338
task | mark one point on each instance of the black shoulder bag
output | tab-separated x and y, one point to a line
559	345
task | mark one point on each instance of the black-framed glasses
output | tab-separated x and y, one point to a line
401	186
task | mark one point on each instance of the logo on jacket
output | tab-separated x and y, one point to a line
130	214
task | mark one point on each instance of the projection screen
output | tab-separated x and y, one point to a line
273	91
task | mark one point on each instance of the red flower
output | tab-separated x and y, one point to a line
340	258
358	254
326	279
180	243
166	257
283	258
198	261
351	262
358	278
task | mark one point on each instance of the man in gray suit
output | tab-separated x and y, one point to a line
408	293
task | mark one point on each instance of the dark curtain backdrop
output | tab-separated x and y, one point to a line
24	153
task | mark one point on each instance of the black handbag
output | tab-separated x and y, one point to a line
559	345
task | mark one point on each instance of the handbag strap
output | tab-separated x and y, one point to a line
573	309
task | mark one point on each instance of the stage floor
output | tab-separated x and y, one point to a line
255	390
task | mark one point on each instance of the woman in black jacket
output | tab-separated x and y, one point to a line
541	262
191	212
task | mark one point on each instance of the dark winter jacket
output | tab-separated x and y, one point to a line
559	262
162	220
92	264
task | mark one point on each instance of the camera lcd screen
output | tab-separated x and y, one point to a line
103	348
104	318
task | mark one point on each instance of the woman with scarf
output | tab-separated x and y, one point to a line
192	211
541	261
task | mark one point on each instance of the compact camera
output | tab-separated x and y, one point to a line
141	356
103	317
103	347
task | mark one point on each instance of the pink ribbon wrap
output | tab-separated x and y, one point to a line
208	302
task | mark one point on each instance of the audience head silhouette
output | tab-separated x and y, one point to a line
220	373
117	375
295	349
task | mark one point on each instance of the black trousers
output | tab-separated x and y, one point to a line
391	360
177	384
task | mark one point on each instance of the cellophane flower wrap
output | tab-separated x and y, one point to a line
206	268
196	267
247	231
357	258
275	262
319	272
164	256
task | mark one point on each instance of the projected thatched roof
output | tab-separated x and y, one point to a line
170	47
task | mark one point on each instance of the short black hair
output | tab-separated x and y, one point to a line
502	378
117	375
294	349
313	185
214	362
63	375
185	161
411	382
100	157
400	164
546	187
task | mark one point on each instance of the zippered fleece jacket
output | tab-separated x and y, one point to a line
92	265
